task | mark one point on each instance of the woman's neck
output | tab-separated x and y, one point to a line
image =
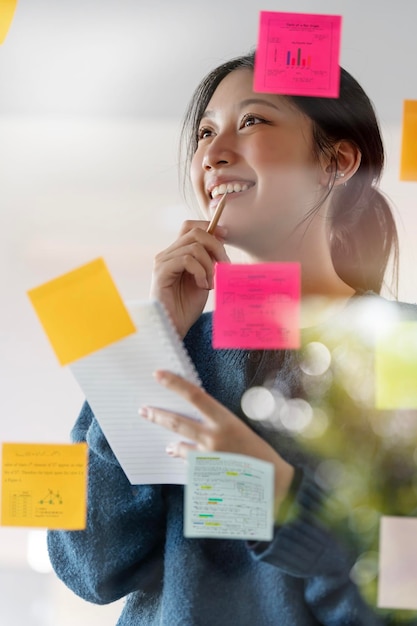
312	250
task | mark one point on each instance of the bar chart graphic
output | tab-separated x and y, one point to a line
296	58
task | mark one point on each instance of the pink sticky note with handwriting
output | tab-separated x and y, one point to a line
257	306
298	54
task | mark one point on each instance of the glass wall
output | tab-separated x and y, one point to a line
91	105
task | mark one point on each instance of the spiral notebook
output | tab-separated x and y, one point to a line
117	380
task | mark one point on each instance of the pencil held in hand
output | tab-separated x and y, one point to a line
217	214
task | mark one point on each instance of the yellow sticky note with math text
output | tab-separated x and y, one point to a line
81	311
44	485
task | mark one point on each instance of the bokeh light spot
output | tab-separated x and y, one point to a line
365	569
316	359
296	414
318	424
330	474
258	403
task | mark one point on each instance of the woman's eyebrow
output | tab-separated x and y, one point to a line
249	101
243	104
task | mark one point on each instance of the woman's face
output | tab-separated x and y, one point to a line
259	147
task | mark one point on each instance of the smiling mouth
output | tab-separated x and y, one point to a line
233	187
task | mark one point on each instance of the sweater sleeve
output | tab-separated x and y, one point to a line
305	546
120	549
300	542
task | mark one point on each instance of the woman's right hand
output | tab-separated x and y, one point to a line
183	273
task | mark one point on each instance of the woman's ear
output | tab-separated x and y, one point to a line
344	164
348	161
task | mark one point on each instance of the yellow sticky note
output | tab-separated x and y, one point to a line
44	485
7	9
81	311
396	367
408	170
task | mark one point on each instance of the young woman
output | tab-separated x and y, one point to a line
301	176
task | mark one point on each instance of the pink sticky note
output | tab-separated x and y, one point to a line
398	563
298	54
257	306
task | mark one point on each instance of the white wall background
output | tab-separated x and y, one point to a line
91	98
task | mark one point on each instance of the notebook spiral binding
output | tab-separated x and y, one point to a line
175	341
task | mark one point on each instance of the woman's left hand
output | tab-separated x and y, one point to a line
220	430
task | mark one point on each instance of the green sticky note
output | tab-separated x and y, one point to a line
396	367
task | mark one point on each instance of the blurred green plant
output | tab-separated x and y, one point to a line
365	458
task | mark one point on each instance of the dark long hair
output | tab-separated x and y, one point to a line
363	231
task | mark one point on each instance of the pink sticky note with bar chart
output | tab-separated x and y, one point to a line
257	306
298	54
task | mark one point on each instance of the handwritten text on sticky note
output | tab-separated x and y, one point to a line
44	485
257	306
408	171
81	311
298	54
396	367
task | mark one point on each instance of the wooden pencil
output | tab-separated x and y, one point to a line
217	214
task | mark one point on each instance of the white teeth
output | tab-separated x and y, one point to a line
229	188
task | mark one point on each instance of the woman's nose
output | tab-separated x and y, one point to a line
220	152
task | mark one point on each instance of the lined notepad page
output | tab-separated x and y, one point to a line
117	380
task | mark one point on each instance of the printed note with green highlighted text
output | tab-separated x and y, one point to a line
228	496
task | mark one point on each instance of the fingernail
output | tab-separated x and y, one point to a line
161	377
170	449
221	230
147	412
